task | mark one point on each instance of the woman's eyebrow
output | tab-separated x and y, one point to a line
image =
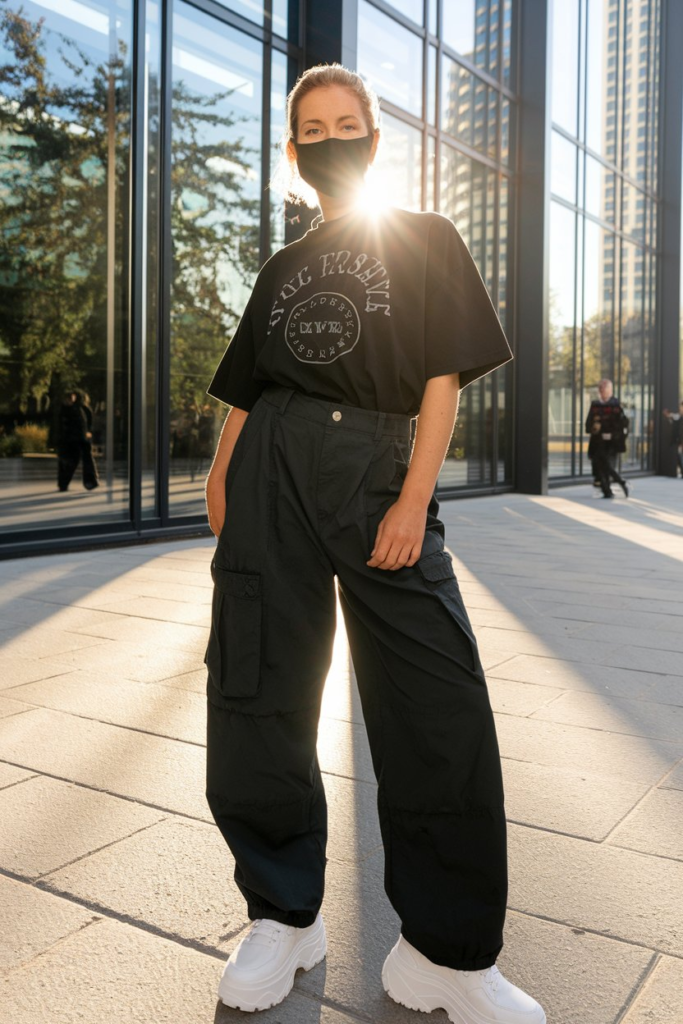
316	120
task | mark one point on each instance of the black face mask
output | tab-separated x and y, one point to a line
334	167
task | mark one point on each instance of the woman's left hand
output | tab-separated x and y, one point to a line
399	536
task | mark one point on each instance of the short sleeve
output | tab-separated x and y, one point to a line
233	382
463	333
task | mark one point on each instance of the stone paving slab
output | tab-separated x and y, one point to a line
153	770
513	698
655	826
56	822
175	876
595	679
162	710
10	775
569	800
601	753
32	922
661	1001
12	707
15	670
611	891
615	714
41	642
143	662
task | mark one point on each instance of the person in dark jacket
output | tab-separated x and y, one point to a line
676	421
607	424
74	443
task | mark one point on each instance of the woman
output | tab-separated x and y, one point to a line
349	333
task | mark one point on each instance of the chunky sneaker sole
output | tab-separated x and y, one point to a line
262	993
419	989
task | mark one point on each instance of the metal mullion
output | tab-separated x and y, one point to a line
266	59
136	299
165	261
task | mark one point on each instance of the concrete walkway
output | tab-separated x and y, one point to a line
116	899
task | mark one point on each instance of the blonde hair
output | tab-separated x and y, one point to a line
286	178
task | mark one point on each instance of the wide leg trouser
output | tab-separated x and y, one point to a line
307	485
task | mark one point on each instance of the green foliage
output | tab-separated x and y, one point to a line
10	446
65	124
32	437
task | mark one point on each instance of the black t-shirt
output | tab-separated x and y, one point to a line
363	310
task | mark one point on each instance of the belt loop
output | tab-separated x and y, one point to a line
380	425
284	399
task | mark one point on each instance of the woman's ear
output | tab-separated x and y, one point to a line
373	148
291	152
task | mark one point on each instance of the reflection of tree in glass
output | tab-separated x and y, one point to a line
215	216
54	134
64	120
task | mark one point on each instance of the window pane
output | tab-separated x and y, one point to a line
565	56
463	199
562	322
390	58
598	320
215	217
632	381
252	9
601	73
65	149
412	9
563	167
458	26
464	105
431	86
600	190
278	97
397	170
507	38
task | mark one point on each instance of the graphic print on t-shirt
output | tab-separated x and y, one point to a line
324	325
325	317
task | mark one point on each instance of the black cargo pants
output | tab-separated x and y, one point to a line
308	482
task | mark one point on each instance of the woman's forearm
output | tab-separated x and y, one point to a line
232	426
435	425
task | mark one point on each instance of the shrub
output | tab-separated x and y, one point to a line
10	446
32	437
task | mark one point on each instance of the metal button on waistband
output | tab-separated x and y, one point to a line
336	415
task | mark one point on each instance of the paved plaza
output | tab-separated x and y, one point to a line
116	896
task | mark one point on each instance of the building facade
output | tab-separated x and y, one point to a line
137	140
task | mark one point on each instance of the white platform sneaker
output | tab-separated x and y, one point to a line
260	970
468	997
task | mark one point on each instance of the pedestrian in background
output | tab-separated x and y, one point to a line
607	424
676	421
74	442
350	332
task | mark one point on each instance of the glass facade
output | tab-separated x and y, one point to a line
136	144
449	111
603	250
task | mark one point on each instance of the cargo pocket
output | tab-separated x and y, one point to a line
437	569
233	654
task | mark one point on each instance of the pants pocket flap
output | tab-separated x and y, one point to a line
237	584
437	566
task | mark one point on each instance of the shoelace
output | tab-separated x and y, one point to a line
267	932
490	976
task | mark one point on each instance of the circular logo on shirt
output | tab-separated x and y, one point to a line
322	328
